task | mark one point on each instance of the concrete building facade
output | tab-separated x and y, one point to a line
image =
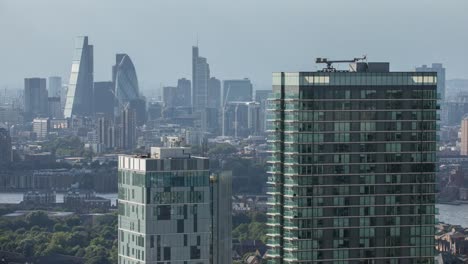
165	208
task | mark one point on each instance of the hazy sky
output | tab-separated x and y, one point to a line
241	38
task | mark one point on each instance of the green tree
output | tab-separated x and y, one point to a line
95	253
27	247
221	149
38	218
59	227
251	231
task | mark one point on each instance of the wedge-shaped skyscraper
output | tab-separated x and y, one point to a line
80	87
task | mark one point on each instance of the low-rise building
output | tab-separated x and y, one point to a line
39	197
85	201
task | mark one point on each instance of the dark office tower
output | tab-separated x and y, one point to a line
54	107
200	77
170	97
35	98
5	148
214	93
241	119
261	96
80	87
237	91
104	99
139	106
103	125
210	121
111	137
125	81
154	111
55	86
128	128
184	91
353	166
436	67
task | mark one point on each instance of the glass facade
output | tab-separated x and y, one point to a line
200	79
352	170
237	91
80	87
125	81
164	211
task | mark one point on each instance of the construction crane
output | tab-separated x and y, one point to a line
329	63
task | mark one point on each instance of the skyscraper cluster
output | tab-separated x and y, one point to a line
118	102
213	103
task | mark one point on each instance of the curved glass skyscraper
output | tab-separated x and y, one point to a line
80	88
125	80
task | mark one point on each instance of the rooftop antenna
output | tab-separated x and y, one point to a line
329	63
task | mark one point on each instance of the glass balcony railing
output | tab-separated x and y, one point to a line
290	245
290	213
273	189
273	179
272	221
273	210
274	230
275	148
274	159
272	253
274	241
274	137
274	200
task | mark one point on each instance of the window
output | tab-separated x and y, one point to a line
167	253
180	226
164	212
194	252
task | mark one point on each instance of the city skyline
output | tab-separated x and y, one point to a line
245	132
156	49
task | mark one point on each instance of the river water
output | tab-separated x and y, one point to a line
453	214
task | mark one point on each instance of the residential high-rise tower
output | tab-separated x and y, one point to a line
166	209
352	177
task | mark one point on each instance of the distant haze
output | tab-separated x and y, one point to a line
246	38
